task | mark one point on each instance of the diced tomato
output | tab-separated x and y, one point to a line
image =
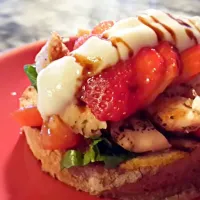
29	116
55	134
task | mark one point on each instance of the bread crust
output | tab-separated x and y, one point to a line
150	177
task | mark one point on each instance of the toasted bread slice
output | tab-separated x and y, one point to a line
152	176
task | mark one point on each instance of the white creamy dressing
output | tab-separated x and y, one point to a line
57	83
96	47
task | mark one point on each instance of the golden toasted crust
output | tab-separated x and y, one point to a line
152	177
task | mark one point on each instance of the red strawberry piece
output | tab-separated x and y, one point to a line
191	63
149	75
122	89
70	43
171	58
81	40
172	63
101	27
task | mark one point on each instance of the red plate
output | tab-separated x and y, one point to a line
20	174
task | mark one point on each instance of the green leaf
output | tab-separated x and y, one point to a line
32	74
100	150
89	156
72	158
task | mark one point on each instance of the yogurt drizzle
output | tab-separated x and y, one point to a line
57	83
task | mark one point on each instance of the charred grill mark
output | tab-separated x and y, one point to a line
191	35
127	125
120	137
159	33
170	31
164	125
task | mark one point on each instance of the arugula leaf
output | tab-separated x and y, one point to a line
89	156
100	150
32	74
72	158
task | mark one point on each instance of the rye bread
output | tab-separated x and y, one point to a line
170	175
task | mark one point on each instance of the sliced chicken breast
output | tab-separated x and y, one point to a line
138	136
52	50
178	108
176	114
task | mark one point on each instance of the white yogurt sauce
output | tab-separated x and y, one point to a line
57	85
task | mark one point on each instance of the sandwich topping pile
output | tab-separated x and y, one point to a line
122	89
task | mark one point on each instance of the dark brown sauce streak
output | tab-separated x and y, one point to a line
191	35
116	40
89	65
181	22
159	33
198	29
171	32
105	36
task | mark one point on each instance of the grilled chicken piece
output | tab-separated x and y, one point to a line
52	50
80	119
183	143
176	114
138	136
190	89
83	121
178	108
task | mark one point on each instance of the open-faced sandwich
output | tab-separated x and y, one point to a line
115	111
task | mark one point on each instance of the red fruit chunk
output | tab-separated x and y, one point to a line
171	58
29	116
101	27
71	42
124	88
81	40
191	63
172	65
55	134
149	74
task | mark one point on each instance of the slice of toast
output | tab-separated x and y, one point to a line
169	175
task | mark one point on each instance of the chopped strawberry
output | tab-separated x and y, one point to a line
70	43
101	27
81	40
97	31
191	63
149	74
171	58
122	89
172	63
